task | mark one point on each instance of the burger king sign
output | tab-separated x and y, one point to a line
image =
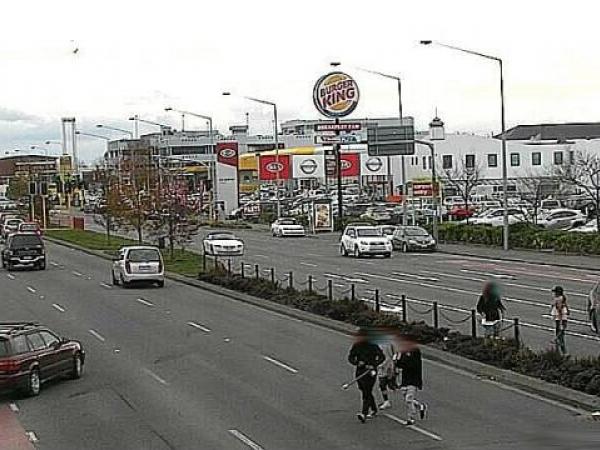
335	94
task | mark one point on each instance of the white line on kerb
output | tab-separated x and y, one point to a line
199	327
280	364
10	276
245	439
32	290
58	307
424	432
14	407
97	335
32	437
145	302
156	377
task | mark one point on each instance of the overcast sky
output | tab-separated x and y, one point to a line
138	57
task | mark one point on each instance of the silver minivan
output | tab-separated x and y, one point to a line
138	264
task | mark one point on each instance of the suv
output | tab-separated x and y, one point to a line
364	240
24	249
138	263
31	354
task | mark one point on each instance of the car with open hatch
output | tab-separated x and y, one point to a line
222	243
364	240
32	354
287	227
138	264
24	250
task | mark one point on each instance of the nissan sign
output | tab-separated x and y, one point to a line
335	94
308	166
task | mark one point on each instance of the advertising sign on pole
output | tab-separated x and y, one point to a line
373	165
335	94
392	140
272	167
308	166
227	153
332	126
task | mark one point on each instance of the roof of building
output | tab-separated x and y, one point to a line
553	131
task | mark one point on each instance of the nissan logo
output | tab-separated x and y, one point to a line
274	167
374	164
308	166
227	153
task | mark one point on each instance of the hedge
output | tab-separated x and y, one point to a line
582	374
524	236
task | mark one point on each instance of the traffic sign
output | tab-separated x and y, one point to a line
391	140
332	126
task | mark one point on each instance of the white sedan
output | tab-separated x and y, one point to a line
287	227
562	219
222	243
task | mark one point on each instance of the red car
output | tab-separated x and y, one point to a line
31	354
30	227
461	212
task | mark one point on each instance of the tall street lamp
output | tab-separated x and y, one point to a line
275	133
39	147
120	130
503	125
213	151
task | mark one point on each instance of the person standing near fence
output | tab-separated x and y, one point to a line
593	308
560	312
410	362
491	309
366	356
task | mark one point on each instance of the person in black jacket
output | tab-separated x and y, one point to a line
491	309
409	361
366	356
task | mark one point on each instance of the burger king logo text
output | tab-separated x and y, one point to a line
335	94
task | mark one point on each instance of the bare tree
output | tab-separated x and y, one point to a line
583	174
463	178
538	185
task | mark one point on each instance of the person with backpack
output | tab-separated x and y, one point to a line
410	362
491	309
366	356
593	308
560	312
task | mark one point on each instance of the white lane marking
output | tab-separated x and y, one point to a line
77	274
449	275
245	439
10	276
356	280
199	327
280	364
416	428
32	437
571	320
490	274
97	335
260	256
332	275
105	285
32	290
58	307
308	264
14	407
53	263
339	285
418	277
145	302
156	377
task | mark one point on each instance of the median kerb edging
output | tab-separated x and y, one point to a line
532	385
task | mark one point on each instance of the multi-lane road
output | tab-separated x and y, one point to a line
181	368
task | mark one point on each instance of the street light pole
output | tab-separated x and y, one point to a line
503	126
121	130
433	187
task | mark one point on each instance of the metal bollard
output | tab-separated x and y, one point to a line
377	306
329	290
353	292
404	315
517	331
216	263
229	266
203	263
243	269
256	271
291	280
310	284
473	323
273	275
436	319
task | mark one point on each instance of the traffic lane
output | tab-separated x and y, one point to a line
319	341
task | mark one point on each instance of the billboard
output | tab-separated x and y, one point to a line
227	153
335	94
272	167
308	166
392	140
322	216
373	165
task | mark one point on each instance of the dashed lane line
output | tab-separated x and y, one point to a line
280	364
31	289
58	307
10	276
97	335
156	377
105	285
416	428
307	264
145	302
199	327
77	274
245	439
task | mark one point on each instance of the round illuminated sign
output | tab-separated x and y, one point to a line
335	94
374	164
308	166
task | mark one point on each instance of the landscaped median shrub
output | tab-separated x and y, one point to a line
582	374
524	236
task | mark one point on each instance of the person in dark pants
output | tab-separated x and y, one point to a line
410	362
491	309
366	356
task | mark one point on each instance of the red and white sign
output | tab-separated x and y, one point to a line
227	153
273	168
332	126
350	164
